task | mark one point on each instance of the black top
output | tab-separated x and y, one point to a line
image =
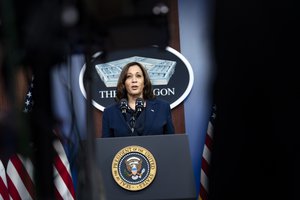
135	121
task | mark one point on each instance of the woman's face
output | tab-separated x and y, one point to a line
134	82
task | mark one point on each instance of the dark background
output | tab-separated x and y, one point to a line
256	147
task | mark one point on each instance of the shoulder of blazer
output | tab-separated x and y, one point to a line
111	107
157	101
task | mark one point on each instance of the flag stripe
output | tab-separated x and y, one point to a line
57	194
204	166
13	192
63	180
210	128
204	180
208	141
3	183
23	174
203	193
3	190
206	156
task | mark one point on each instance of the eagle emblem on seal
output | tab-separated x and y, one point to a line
134	167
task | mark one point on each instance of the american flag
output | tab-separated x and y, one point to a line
16	179
206	155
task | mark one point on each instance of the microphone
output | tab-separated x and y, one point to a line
123	105
139	105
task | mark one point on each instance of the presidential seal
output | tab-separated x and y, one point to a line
134	168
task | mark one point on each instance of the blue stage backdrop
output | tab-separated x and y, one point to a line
194	23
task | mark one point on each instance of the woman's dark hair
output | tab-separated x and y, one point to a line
121	90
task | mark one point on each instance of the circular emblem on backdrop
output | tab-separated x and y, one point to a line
134	168
170	73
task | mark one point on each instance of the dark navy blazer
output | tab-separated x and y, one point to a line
158	120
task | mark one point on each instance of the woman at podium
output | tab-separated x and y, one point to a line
136	111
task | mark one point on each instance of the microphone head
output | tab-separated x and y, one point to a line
139	104
123	105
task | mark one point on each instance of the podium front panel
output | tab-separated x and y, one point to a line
174	176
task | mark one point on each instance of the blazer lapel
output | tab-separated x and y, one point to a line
123	120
